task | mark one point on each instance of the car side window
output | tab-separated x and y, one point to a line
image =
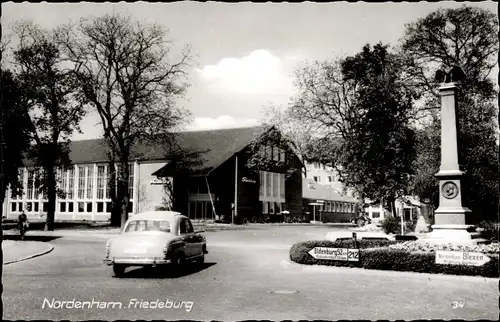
182	227
189	226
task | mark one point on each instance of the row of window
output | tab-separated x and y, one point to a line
65	207
329	178
82	175
272	185
272	208
332	206
272	153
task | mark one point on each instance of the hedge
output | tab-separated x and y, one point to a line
373	255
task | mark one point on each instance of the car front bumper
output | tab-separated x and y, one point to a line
142	261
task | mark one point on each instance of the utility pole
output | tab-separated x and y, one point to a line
235	212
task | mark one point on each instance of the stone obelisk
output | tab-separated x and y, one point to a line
451	217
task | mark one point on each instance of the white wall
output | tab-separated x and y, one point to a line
149	195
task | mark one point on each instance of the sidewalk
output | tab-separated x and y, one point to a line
16	251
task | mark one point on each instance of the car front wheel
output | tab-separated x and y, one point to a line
119	270
200	260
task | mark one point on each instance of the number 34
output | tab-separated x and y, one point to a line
457	304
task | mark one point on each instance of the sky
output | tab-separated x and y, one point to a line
245	53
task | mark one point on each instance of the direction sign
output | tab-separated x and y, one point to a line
338	254
461	258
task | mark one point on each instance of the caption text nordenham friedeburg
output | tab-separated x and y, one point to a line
132	304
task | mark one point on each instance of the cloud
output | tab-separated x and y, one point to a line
221	122
260	72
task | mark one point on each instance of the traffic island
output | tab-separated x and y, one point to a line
480	260
18	251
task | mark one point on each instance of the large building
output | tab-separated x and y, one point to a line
217	181
323	203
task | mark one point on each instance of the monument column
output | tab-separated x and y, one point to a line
451	217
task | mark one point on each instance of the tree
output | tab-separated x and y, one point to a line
377	153
14	142
260	153
361	108
126	72
298	136
466	37
51	104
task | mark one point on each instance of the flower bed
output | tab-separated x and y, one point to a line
416	246
385	255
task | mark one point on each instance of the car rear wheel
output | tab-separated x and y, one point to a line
177	262
119	270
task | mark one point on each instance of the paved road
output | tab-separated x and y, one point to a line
242	269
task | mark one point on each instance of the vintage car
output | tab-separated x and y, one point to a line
155	238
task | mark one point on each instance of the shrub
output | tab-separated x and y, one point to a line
391	225
491	229
373	255
412	246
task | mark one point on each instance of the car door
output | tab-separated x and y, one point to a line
197	240
186	236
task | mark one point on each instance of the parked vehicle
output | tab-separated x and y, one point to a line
361	220
156	238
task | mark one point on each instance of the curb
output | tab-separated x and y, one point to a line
287	264
50	249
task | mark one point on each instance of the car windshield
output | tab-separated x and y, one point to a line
148	225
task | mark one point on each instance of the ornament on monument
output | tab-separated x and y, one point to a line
449	190
454	75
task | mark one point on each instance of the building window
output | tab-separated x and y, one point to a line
81	182
101	181
317	179
62	207
282	186
276	154
100	207
71	183
376	214
13	206
269	152
264	207
131	181
269	182
276	185
330	178
70	207
262	191
31	184
90	182
81	207
282	155
271	208
63	179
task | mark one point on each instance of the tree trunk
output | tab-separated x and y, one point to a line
123	192
2	198
51	196
115	204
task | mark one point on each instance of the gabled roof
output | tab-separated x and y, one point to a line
213	147
315	191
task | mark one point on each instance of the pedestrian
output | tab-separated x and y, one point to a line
23	224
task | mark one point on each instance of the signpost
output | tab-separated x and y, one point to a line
461	258
338	254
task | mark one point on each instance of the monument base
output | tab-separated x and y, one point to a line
455	234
